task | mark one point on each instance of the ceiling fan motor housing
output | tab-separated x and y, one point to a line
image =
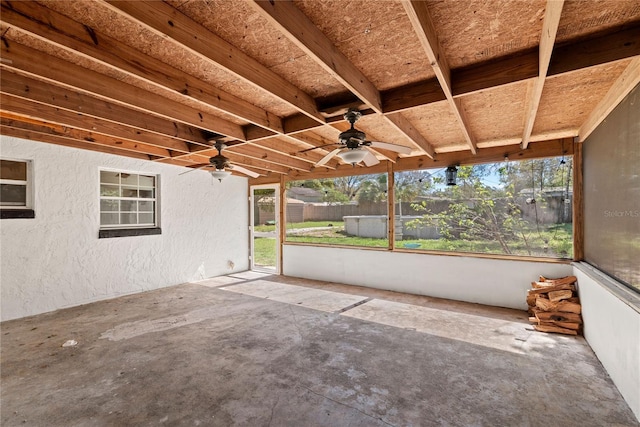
219	161
353	138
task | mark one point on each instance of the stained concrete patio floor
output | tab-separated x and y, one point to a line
251	349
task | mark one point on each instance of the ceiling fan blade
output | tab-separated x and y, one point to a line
328	157
195	169
315	148
247	172
370	159
391	147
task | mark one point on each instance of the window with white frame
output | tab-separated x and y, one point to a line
15	184
128	200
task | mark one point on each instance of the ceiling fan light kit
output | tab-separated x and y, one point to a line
353	146
353	156
220	174
219	163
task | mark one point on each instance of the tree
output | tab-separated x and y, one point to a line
477	211
409	185
349	185
373	189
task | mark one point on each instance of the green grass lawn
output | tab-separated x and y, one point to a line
298	225
345	240
264	251
556	238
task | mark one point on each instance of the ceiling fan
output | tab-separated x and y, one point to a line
353	146
220	163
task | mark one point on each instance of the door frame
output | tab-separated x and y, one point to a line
278	243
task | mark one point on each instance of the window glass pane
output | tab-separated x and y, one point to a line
512	208
128	218
338	211
109	205
145	206
108	177
147	181
129	179
108	218
110	190
13	195
147	194
15	170
120	193
146	218
129	192
128	205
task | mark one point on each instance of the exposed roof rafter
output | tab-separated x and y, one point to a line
420	18
171	23
629	79
547	40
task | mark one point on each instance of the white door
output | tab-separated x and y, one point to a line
265	228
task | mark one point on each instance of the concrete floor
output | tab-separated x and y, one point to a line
257	350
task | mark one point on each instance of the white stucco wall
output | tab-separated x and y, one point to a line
501	283
611	316
56	259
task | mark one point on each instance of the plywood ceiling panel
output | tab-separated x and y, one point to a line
375	35
584	17
497	114
479	30
106	21
567	100
256	37
438	125
171	75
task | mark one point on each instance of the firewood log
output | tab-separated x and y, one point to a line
555	296
566	306
557	316
556	329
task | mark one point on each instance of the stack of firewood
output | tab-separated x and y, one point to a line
554	305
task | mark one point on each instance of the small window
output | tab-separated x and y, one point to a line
15	189
127	200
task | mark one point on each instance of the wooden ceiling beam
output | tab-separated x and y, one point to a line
68	142
40	112
80	136
567	58
403	125
69	100
300	30
423	26
260	153
24	59
627	81
412	95
344	170
170	23
293	148
61	31
284	147
543	149
552	14
537	150
596	50
238	159
252	163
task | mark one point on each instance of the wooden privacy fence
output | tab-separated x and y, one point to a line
553	211
313	212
